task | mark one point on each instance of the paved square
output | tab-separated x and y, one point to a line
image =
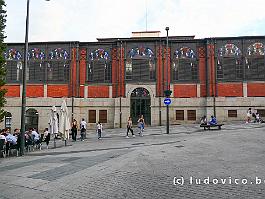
187	163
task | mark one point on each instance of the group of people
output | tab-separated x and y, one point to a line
83	126
99	128
141	124
255	115
32	138
212	121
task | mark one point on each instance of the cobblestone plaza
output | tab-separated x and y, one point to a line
187	163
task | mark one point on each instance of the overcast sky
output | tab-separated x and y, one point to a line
86	20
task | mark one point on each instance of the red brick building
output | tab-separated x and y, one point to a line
114	78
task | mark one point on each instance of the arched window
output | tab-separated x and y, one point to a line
14	65
254	62
8	120
184	65
99	66
32	119
229	63
36	66
58	66
140	64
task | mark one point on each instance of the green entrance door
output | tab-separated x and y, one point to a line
141	105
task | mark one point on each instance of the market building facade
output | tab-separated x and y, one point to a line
114	78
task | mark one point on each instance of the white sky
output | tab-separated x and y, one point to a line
86	20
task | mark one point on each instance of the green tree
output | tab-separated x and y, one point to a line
2	59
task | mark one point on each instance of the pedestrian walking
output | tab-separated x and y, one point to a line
249	114
74	129
47	137
141	125
129	127
83	124
82	133
99	130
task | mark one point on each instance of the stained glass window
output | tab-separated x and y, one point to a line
59	54
13	65
58	66
99	54
140	64
140	51
13	54
36	54
229	65
140	92
254	62
184	65
99	66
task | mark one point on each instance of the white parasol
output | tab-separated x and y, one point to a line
53	122
64	126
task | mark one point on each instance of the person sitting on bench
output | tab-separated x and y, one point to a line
213	121
204	120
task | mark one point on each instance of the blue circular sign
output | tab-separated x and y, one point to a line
167	101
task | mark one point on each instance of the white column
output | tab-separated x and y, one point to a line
198	90
85	91
20	88
110	91
45	88
245	89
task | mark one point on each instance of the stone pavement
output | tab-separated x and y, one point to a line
187	163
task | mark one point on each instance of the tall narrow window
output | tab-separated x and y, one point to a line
32	119
128	74
229	63
36	66
140	65
99	66
184	65
8	120
13	66
58	66
191	114
92	116
255	62
103	117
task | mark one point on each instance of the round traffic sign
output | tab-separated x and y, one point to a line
167	101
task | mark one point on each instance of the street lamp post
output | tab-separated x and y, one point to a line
167	85
24	83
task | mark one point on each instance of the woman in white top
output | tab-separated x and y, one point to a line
99	129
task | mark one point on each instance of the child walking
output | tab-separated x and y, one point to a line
99	130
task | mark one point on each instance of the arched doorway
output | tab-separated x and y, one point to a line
141	105
32	119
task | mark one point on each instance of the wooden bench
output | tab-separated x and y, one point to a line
209	126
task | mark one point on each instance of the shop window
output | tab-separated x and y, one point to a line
191	114
92	116
179	114
232	113
103	117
